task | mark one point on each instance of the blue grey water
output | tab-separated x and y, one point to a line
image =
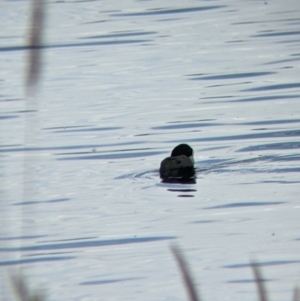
84	214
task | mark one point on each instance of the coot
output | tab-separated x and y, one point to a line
179	166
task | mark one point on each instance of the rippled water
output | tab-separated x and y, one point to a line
83	211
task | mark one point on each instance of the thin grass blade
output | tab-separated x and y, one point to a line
34	46
186	274
22	290
262	293
20	287
296	296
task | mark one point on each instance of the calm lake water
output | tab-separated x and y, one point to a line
83	211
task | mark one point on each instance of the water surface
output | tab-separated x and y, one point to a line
83	211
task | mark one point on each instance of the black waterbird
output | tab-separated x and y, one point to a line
179	166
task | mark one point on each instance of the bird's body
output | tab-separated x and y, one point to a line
179	166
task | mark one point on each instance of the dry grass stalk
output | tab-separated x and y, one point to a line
34	46
22	290
25	294
261	290
186	274
296	296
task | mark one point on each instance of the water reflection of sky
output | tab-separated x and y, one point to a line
83	210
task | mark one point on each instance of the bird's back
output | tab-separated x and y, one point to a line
178	167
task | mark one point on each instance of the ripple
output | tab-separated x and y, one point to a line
91	147
169	11
90	129
185	126
268	122
41	202
271	146
109	156
250	280
228	165
260	264
232	76
120	35
5	117
71	45
139	175
22	237
277	34
35	260
272	134
273	87
245	204
87	244
107	281
264	98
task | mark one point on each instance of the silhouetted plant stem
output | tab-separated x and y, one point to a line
186	274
